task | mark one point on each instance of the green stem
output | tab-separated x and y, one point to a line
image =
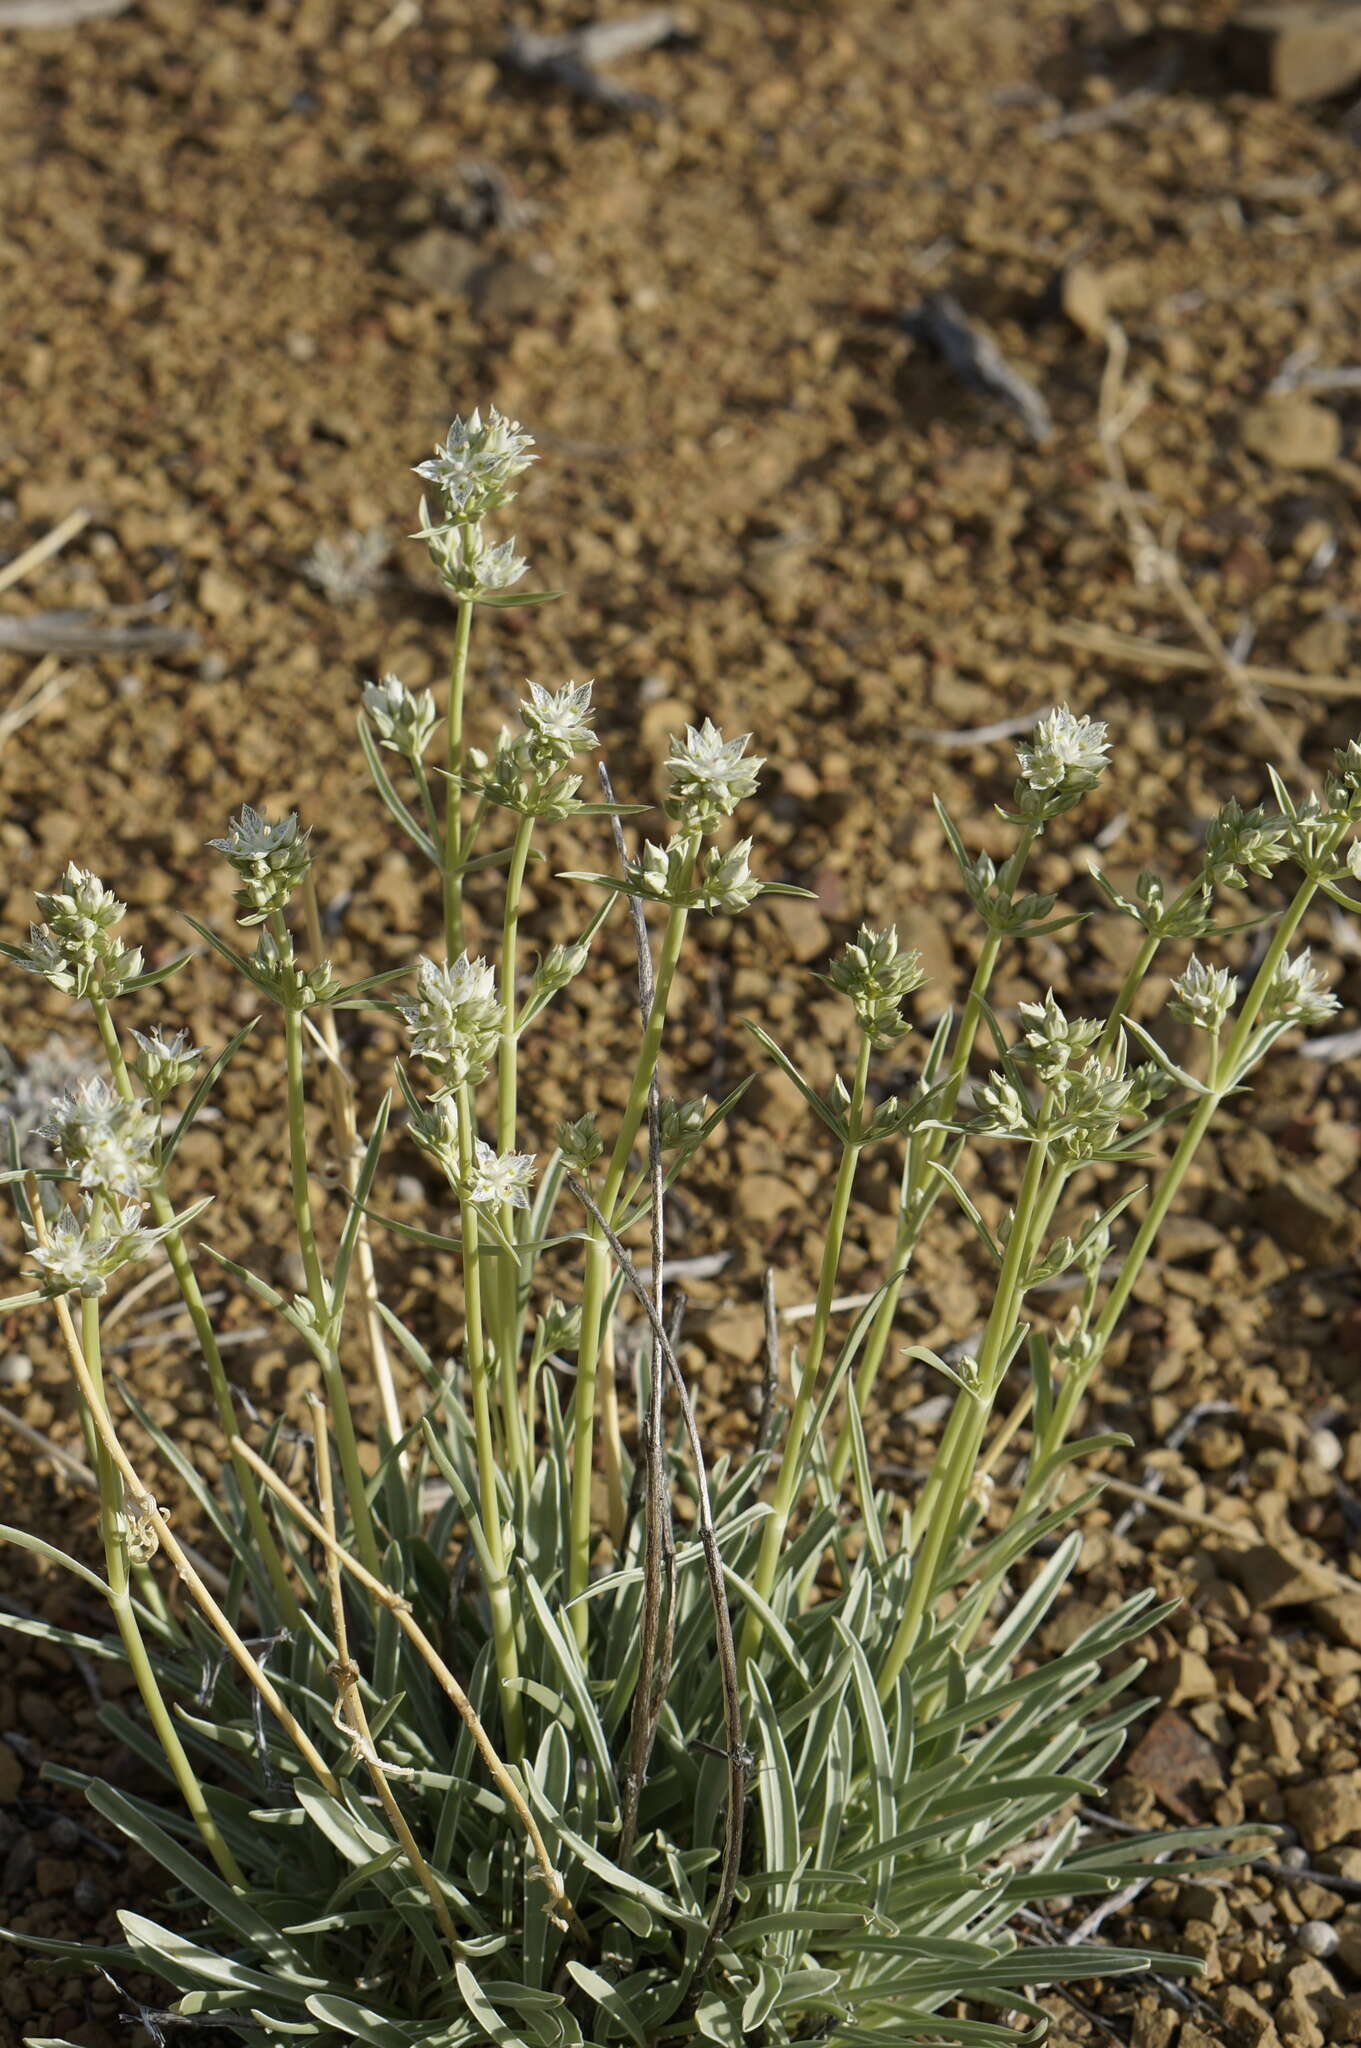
954	1463
318	1293
181	1265
596	1282
498	1589
453	798
1071	1392
790	1475
112	1529
1129	988
918	1199
507	1105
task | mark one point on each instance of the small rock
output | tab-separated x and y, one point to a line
506	289
1272	1580
1171	1758
87	1898
11	1775
1204	1902
803	925
1296	2025
1317	1938
1328	1811
1308	1217
1247	2018
1324	1449
1293	433
1296	52
16	1370
1344	2021
739	1334
1182	1677
1323	648
1082	294
439	261
1154	2027
1340	1615
407	1188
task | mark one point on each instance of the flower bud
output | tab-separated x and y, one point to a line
682	1122
468	564
74	947
876	979
580	1142
164	1064
1298	994
271	859
403	719
1203	995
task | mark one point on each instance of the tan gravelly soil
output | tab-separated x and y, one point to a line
246	280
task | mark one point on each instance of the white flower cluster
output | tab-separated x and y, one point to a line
468	564
88	1243
403	719
454	1019
473	468
1203	995
1298	994
74	946
271	859
498	1178
557	723
708	777
109	1144
876	979
1066	757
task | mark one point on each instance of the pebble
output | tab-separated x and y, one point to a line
1325	1449
1293	433
16	1370
1317	1938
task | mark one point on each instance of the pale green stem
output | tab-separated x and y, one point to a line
790	1475
958	1451
918	1199
318	1293
177	1252
453	796
1129	988
498	1589
596	1282
112	1532
340	1113
1165	1193
508	1269
924	1186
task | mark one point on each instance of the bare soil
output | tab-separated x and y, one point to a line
248	275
